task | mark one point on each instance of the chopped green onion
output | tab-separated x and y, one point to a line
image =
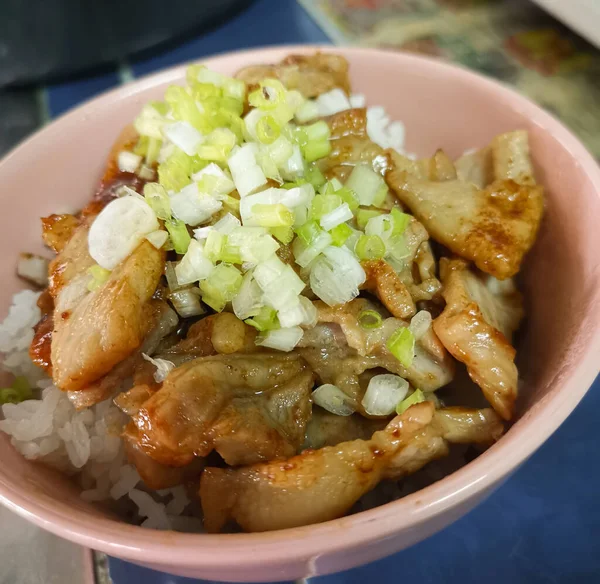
142	146
184	108
333	399
400	221
194	266
221	286
416	397
267	130
348	197
383	394
370	319
316	132
283	234
363	216
214	245
309	232
340	234
269	95
231	254
365	182
380	195
277	215
402	345
174	173
99	276
179	235
156	196
283	339
309	110
370	247
314	150
323	204
265	320
314	176
19	391
154	146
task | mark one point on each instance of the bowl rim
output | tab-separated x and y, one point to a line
170	548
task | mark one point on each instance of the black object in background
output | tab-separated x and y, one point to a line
42	39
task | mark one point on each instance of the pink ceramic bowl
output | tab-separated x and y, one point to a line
442	106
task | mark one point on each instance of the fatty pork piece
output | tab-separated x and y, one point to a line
350	145
311	75
476	327
246	407
327	429
339	350
162	320
320	485
492	225
95	330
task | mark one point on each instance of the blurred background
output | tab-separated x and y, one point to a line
542	526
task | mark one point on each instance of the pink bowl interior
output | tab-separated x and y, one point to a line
442	107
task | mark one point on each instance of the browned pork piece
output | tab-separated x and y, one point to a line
319	485
476	327
351	145
96	330
493	225
90	340
162	320
311	75
246	407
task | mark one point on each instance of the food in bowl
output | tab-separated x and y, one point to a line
269	314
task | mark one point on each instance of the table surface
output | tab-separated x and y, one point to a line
542	526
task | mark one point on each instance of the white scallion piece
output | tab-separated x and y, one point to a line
383	394
420	323
249	300
336	217
118	229
158	238
333	399
365	182
270	196
192	207
310	312
184	136
358	100
247	174
163	367
202	232
194	265
128	161
308	111
221	183
283	339
293	167
336	276
333	102
227	224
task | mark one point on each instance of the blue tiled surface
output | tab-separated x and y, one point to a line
266	22
542	526
64	96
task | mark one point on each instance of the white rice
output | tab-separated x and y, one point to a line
85	445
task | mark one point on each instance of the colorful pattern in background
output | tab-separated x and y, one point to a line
511	40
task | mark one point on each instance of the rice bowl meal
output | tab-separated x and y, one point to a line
269	314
